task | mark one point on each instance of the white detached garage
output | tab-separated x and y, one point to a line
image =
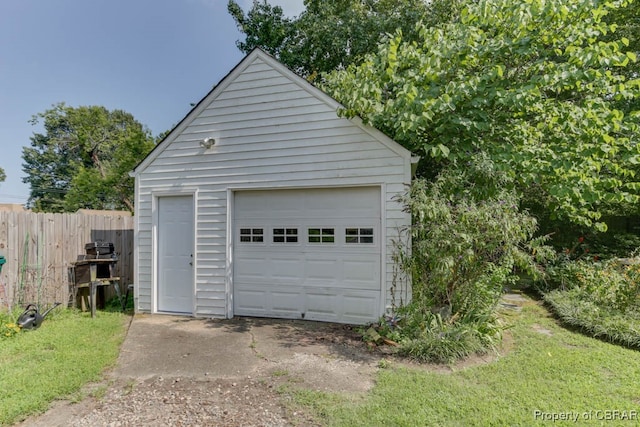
263	202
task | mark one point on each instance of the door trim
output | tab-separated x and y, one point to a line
155	214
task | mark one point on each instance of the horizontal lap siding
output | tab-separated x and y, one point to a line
266	163
269	132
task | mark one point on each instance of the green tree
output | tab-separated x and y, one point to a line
533	84
264	26
83	158
331	34
627	23
3	176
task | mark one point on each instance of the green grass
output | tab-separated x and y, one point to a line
69	350
561	373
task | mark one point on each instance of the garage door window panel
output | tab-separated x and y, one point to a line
356	235
285	235
322	235
251	235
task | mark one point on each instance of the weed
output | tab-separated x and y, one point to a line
8	326
100	392
601	298
384	364
253	345
280	373
8	330
129	387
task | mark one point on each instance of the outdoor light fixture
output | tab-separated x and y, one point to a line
207	142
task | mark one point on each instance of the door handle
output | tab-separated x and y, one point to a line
191	262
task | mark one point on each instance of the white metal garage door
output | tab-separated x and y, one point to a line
312	254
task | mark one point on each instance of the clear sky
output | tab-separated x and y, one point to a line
151	58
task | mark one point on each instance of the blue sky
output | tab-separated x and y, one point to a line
151	58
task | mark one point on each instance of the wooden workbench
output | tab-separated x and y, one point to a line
91	274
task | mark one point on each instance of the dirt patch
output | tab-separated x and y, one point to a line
541	330
317	356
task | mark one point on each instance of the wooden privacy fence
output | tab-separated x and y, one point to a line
40	247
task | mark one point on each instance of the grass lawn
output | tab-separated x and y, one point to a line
547	369
56	360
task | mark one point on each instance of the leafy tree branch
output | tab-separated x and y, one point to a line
83	157
536	85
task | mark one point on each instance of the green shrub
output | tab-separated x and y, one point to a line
601	298
609	283
468	239
618	244
429	337
575	307
559	276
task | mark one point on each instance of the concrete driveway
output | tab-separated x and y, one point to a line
327	355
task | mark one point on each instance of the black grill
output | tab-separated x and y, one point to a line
99	250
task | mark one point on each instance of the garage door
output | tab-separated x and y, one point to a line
311	254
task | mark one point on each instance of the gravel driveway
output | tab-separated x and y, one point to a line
182	371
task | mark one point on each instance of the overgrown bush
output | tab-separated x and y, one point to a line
468	238
608	283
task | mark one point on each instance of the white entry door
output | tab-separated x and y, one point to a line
175	254
308	254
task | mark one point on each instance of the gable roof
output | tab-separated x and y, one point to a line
259	54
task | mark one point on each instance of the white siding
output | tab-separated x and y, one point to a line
272	130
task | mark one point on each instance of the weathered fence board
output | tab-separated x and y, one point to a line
40	247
